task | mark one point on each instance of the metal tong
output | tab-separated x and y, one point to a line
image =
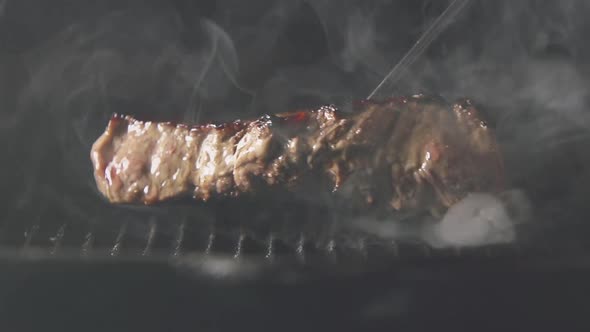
385	87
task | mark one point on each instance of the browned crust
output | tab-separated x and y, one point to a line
401	151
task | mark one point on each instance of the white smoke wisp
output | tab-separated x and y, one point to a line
137	62
479	219
315	85
132	62
218	267
90	71
219	66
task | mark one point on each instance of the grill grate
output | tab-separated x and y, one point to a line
156	239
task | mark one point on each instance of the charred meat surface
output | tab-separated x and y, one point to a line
404	153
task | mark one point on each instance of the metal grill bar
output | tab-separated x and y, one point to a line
29	234
210	241
115	250
270	246
239	245
300	250
161	240
150	238
331	250
88	243
58	238
177	246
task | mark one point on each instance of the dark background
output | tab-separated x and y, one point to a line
65	66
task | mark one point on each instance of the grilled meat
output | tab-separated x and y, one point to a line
404	153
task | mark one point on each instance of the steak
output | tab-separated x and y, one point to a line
404	153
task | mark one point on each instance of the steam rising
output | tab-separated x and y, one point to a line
523	61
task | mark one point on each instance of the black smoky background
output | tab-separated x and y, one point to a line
66	66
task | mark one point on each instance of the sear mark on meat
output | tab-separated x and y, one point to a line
405	153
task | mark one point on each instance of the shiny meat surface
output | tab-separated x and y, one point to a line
402	154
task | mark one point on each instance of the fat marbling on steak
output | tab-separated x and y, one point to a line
403	153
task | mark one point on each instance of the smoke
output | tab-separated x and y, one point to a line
521	62
124	61
524	62
479	219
